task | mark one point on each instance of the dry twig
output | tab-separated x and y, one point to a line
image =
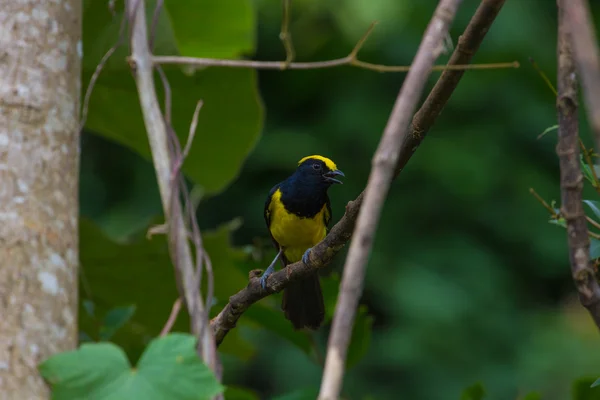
172	317
571	178
351	59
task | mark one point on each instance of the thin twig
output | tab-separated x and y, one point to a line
167	89
323	253
351	59
544	203
172	317
594	223
210	290
543	75
251	64
159	143
285	36
585	50
380	178
98	70
571	178
192	132
157	9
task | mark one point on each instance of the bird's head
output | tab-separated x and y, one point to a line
319	170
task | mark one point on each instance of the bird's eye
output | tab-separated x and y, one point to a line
316	166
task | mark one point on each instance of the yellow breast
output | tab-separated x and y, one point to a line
293	233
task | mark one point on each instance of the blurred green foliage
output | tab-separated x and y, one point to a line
467	281
168	369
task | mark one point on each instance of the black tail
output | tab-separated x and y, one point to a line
303	303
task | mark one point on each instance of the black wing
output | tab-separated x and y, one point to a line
267	212
327	213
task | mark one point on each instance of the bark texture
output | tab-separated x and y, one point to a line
40	61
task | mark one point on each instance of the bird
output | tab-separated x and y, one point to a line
297	213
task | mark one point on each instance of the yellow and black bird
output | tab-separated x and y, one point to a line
298	212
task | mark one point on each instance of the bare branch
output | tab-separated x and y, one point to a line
380	178
159	143
192	133
571	178
323	253
338	62
578	23
350	60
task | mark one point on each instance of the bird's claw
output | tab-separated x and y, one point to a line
265	276
306	255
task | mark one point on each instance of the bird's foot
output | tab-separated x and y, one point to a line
265	276
306	255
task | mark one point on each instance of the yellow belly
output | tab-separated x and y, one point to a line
296	234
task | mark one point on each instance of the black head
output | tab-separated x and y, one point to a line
318	171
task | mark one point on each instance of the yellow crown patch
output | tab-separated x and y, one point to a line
330	164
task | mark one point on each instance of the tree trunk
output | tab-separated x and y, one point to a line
40	62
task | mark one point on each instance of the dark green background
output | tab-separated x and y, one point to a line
467	281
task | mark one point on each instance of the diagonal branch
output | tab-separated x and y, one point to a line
159	143
578	23
571	178
382	172
323	253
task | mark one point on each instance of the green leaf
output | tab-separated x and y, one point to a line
560	222
582	389
93	370
533	396
239	393
594	248
231	109
114	320
168	369
587	171
596	383
595	206
473	392
361	337
215	29
141	273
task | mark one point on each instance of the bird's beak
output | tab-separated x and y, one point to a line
330	176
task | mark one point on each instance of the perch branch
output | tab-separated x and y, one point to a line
159	143
579	25
571	178
380	178
323	253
